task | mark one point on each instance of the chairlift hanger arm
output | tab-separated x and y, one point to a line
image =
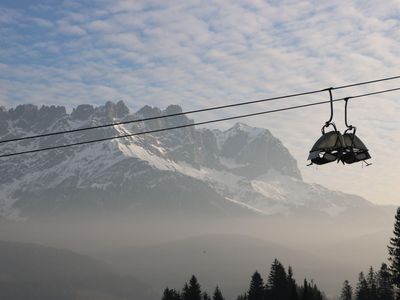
329	122
346	100
331	102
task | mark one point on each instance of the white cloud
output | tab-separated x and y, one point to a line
66	28
100	26
42	22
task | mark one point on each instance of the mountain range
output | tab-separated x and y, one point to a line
239	171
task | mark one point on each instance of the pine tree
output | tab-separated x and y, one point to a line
305	292
347	291
292	287
185	292
277	286
192	291
166	294
394	251
372	288
362	290
176	295
384	284
217	294
315	293
170	294
256	289
206	297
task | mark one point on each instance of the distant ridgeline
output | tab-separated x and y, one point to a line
279	285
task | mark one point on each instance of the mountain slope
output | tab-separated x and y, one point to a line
240	171
29	271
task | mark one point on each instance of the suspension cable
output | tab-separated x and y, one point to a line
196	124
199	110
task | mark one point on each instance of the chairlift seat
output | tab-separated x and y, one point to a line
328	148
354	149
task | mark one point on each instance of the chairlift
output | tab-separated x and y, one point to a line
333	146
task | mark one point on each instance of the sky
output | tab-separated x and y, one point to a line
199	53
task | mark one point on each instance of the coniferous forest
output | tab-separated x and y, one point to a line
382	284
280	285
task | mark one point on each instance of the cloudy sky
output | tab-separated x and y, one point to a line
203	53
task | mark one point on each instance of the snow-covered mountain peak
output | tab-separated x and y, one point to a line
251	131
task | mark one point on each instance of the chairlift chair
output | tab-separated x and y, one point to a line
328	147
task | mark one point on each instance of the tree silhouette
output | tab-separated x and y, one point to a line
362	290
305	293
394	251
372	285
314	292
277	286
185	291
347	291
170	294
242	297
206	297
192	291
384	284
256	289
217	294
292	287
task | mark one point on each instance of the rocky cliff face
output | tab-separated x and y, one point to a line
238	171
